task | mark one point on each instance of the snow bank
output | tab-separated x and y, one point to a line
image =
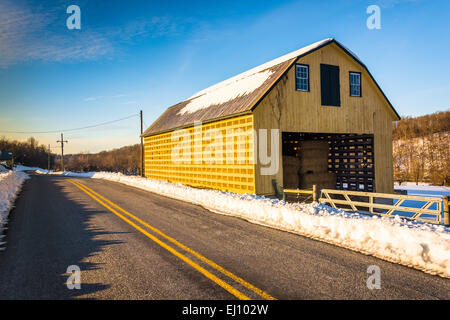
422	246
10	185
19	167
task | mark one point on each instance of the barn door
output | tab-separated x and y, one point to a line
329	84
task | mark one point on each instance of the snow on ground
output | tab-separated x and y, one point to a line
422	246
19	167
10	185
421	187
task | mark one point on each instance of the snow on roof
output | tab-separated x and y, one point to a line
242	84
236	95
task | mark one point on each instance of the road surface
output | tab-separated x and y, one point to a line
133	244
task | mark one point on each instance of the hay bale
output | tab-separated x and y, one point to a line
291	167
313	156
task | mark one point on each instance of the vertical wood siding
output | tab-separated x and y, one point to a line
289	110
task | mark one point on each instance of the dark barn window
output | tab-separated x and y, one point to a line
329	83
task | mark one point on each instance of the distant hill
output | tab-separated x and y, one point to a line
30	153
124	159
421	149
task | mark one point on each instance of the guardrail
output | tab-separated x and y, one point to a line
298	192
375	204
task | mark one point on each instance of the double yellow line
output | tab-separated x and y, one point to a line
115	208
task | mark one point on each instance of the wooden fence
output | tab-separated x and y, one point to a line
388	205
299	193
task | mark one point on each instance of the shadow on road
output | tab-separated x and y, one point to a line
49	230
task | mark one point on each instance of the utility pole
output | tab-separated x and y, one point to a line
141	149
62	150
48	164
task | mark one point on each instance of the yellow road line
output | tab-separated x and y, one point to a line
229	274
203	271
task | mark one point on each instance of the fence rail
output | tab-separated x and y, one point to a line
375	204
298	192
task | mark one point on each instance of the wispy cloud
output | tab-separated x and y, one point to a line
27	34
118	96
393	3
91	99
34	34
152	27
129	102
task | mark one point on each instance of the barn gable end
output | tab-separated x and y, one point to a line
289	110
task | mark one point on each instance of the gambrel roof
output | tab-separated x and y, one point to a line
237	95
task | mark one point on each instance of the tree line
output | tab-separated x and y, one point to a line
29	152
421	149
419	127
124	159
32	154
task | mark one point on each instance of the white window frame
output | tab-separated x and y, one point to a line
297	78
352	85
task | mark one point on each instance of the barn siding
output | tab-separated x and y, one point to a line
290	110
234	177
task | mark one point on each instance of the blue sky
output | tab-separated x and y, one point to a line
149	55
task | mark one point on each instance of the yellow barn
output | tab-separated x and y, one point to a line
313	116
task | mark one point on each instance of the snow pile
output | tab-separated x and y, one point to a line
242	84
422	246
66	173
19	167
10	185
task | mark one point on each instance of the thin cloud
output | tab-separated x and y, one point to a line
91	99
393	3
35	35
153	27
129	102
116	96
27	35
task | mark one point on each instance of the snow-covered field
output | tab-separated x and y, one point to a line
422	246
10	185
423	189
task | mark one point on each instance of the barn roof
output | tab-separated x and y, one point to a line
236	95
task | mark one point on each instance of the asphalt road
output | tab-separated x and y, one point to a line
56	224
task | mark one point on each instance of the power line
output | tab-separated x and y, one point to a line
73	129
